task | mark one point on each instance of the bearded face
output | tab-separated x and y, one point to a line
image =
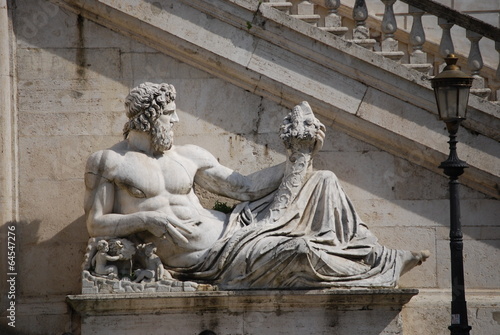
162	136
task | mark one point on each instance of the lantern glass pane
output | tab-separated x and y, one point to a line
462	100
447	101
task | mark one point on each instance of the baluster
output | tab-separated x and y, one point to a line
446	45
475	64
333	21
305	12
418	58
361	34
389	45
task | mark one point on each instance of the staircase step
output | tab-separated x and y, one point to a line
367	43
282	6
424	68
481	92
312	19
338	31
394	55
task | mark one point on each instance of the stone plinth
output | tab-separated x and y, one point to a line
339	311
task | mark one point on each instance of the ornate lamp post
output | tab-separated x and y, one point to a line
451	88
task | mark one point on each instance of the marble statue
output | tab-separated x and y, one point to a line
293	228
153	267
100	261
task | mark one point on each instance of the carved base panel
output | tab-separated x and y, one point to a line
340	311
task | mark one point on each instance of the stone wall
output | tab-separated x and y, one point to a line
68	79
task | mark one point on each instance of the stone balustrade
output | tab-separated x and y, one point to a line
409	48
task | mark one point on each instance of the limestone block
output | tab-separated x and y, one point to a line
257	312
431	213
218	107
431	313
481	254
398	213
71	63
338	140
361	174
43	315
412	238
197	28
271	115
70	96
151	65
308	77
42	198
58	157
430	310
229	150
413	122
38	23
411	181
57	256
387	111
67	124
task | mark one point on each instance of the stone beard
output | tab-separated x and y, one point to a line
162	138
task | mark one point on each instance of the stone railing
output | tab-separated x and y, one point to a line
409	48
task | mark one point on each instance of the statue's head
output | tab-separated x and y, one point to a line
102	245
144	106
149	249
300	125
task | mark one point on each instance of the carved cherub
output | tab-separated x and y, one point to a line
154	269
100	259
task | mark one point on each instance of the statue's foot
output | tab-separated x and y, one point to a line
414	258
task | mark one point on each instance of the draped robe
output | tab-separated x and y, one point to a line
318	242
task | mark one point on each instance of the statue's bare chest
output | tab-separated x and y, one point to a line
147	177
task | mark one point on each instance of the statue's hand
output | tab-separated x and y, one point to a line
161	225
320	139
156	223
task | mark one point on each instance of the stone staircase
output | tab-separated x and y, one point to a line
329	55
384	38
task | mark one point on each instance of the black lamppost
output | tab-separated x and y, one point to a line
451	88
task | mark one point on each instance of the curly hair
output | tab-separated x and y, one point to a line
144	104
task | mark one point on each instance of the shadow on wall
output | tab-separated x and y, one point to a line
44	261
45	272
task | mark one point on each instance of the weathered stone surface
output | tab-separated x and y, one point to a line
431	309
250	312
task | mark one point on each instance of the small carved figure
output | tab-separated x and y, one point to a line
101	258
154	269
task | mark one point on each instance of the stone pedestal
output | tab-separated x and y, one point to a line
339	311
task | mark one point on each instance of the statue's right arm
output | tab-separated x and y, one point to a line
102	220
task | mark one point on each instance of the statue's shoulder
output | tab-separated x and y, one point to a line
104	161
195	154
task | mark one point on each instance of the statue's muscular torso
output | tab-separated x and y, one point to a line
163	184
